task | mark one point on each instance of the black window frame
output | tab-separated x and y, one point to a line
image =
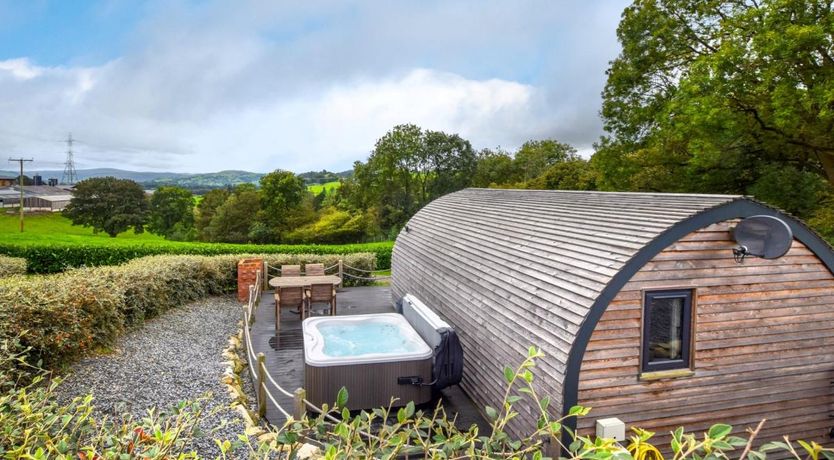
686	328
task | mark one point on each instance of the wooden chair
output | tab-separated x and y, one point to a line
290	270
314	270
322	293
288	297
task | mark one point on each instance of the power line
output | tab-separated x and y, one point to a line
69	177
20	186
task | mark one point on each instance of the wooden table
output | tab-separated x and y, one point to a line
303	281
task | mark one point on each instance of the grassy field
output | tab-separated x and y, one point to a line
55	228
315	189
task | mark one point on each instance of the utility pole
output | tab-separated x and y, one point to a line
20	184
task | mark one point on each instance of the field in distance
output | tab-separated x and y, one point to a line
315	189
55	228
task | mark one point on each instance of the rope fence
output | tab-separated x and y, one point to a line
340	269
260	375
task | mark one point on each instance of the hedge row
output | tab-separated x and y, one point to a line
57	257
12	266
64	314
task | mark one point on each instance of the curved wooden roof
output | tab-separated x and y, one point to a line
513	268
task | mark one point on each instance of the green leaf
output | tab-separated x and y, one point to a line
736	441
719	431
409	409
755	455
342	397
579	411
555	427
491	412
509	374
512	399
545	401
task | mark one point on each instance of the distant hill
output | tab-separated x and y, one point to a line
138	176
207	180
198	183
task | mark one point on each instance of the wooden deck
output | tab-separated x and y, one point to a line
285	355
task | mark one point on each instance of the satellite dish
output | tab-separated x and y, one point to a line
762	236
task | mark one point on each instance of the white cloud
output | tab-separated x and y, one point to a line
344	121
20	69
226	85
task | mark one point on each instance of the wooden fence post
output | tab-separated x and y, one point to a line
261	386
265	280
341	272
299	408
251	305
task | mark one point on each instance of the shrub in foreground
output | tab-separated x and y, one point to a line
411	433
35	426
57	257
12	266
61	315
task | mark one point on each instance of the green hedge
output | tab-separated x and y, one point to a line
55	258
12	266
61	315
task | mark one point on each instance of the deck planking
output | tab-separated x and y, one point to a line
284	352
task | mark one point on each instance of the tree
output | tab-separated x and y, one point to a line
206	210
285	204
710	96
108	205
233	219
535	156
171	211
408	168
575	174
495	168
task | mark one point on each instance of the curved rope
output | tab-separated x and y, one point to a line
365	278
362	269
269	395
283	391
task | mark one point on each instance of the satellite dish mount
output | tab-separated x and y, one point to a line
762	236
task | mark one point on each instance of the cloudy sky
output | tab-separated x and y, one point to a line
199	86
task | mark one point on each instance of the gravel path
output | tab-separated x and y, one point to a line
171	358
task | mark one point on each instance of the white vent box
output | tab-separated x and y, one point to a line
611	428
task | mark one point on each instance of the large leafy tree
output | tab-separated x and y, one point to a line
712	95
206	210
285	204
108	205
171	211
408	168
535	156
233	220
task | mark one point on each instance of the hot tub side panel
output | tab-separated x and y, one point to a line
368	385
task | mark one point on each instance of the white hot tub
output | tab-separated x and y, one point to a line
371	355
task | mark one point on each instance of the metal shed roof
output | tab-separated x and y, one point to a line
540	267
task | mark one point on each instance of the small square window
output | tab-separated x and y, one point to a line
667	328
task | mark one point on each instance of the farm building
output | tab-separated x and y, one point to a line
637	301
36	197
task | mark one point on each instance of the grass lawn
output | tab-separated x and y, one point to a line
315	189
53	227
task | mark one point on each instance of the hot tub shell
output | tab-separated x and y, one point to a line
371	379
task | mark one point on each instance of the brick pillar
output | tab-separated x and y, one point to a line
247	273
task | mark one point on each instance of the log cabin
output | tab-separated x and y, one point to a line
638	303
